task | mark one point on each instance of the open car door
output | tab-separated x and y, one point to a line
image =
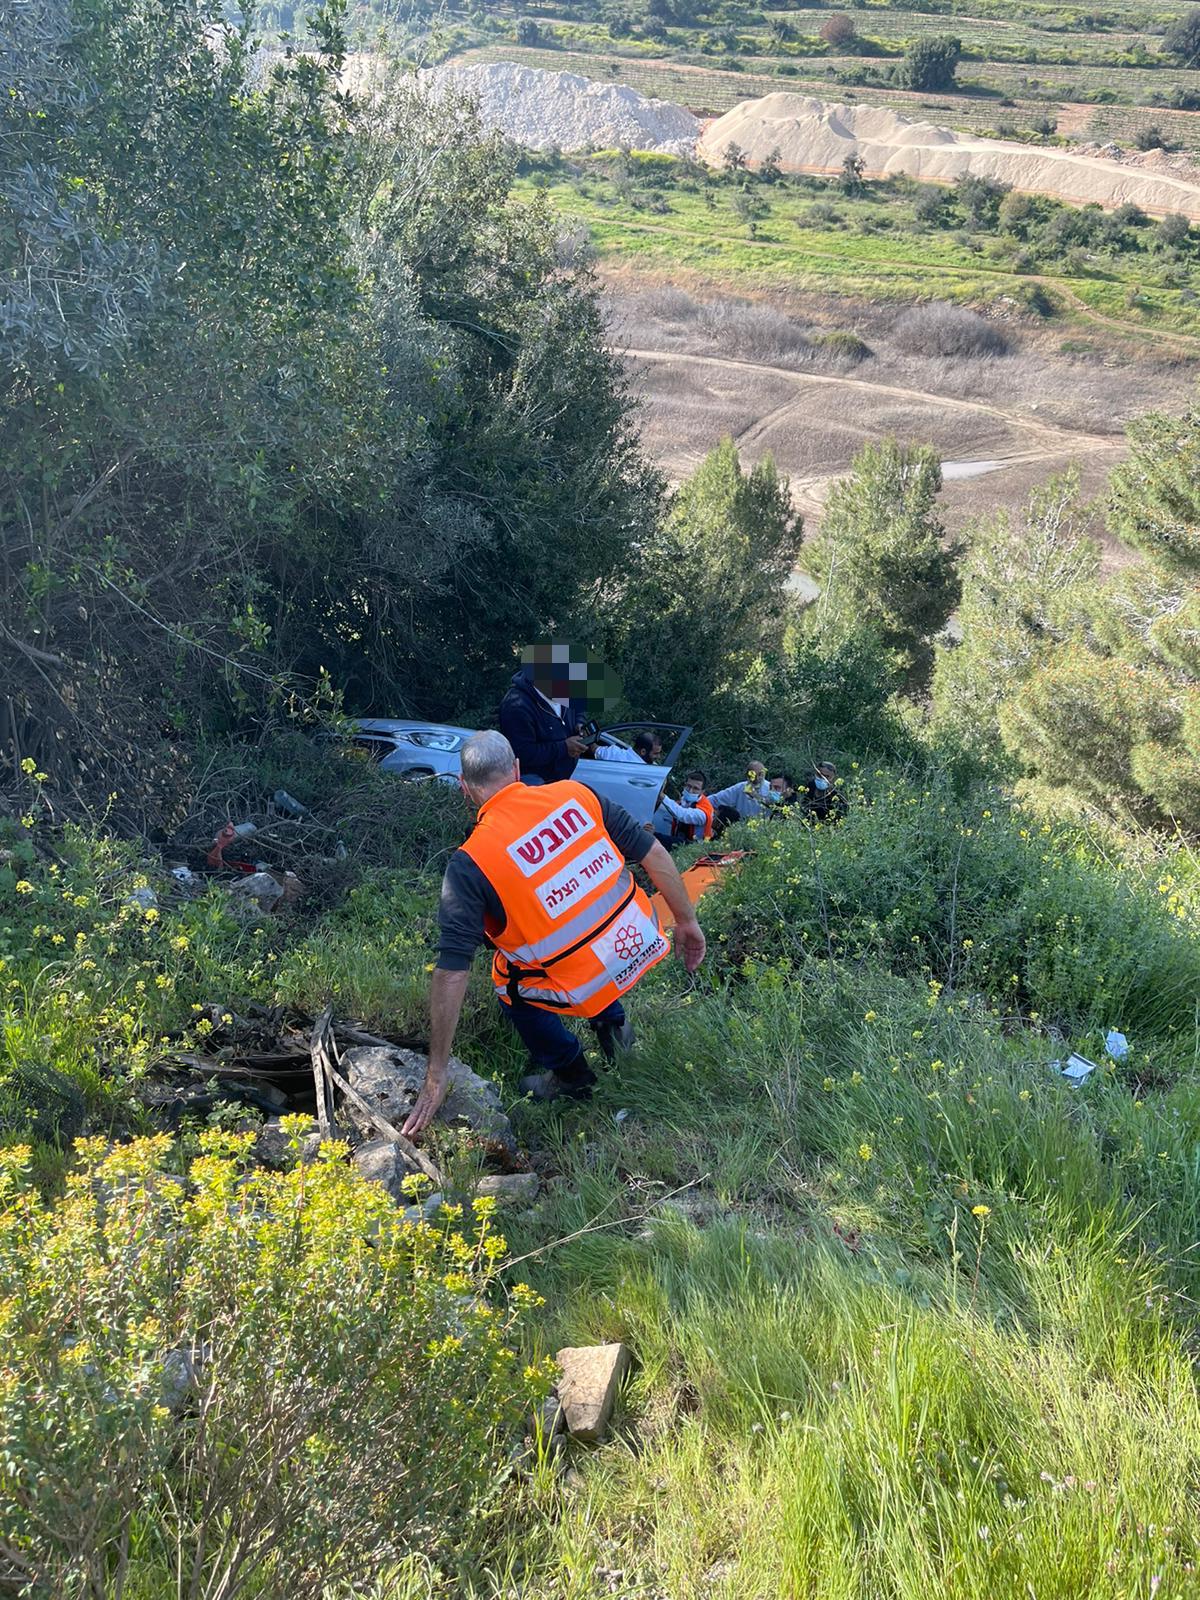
633	783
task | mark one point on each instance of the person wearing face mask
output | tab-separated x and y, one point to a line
740	801
784	790
823	799
688	818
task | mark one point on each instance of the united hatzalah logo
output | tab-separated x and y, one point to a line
627	941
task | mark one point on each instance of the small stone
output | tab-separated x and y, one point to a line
256	889
509	1188
588	1388
425	1210
179	1375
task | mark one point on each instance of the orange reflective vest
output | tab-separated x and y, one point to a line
578	932
687	830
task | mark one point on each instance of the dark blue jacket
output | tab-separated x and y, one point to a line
536	732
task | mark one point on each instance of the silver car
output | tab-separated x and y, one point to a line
433	750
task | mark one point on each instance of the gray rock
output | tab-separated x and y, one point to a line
273	1147
425	1210
179	1374
548	1420
382	1162
588	1387
509	1188
257	886
390	1078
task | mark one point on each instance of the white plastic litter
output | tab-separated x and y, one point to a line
619	1116
1078	1069
1116	1044
145	898
288	804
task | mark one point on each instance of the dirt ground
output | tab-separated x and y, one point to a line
706	365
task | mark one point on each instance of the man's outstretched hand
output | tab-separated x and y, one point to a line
433	1092
689	943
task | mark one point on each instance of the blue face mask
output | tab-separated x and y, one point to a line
690	796
821	783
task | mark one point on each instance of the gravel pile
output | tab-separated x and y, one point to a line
812	136
560	110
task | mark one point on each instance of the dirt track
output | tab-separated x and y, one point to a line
813	423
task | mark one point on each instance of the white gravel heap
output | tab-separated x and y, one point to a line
560	110
814	136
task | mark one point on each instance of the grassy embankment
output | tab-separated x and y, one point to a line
651	214
922	1319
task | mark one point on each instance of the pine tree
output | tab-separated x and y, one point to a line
884	561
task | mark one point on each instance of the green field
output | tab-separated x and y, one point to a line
661	217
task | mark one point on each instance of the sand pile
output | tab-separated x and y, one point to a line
544	110
813	136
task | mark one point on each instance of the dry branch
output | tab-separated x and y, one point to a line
383	1127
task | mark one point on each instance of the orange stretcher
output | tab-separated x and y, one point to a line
703	874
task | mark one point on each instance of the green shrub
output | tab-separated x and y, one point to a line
266	1381
845	346
974	895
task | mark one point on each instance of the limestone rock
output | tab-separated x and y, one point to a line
382	1162
588	1387
561	110
424	1210
179	1375
509	1188
258	891
273	1147
390	1078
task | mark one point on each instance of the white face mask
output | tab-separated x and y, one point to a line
690	796
820	783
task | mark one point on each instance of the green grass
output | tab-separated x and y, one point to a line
921	1319
851	1381
876	249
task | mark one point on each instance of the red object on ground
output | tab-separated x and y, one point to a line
228	834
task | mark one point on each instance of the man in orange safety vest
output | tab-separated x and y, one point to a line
544	880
